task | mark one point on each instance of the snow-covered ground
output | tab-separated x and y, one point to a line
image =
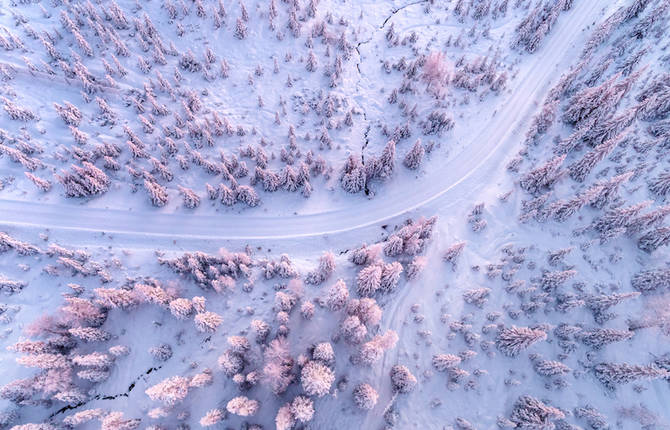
529	280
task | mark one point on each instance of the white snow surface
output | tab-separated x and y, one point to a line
125	234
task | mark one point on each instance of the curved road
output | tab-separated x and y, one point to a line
463	176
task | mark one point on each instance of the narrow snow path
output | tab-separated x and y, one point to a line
462	177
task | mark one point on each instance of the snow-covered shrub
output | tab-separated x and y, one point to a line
202	379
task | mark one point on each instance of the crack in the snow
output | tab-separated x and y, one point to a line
358	68
103	397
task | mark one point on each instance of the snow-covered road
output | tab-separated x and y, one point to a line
462	178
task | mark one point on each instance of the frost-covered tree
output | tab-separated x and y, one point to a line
599	337
353	330
324	352
390	276
212	417
511	341
337	296
284	419
613	374
550	281
477	296
40	183
414	157
157	192
549	367
181	308
452	253
610	190
247	195
323	272
243	406
191	199
402	379
278	365
365	397
436	72
170	391
240	29
207	322
590	104
230	362
654	280
595	419
542	121
364	255
84	181
647	220
581	168
366	309
444	362
654	239
618	219
530	413
599	304
302	409
393	246
368	280
316	378
373	350
542	177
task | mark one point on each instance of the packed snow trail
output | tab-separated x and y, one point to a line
465	175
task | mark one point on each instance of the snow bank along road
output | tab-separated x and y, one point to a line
464	176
